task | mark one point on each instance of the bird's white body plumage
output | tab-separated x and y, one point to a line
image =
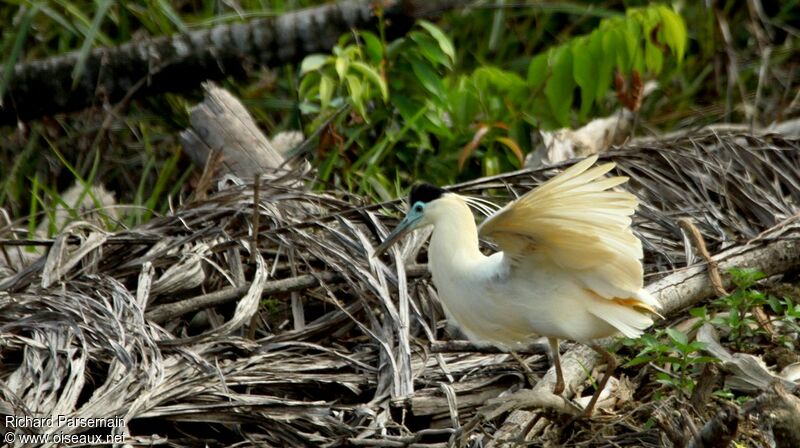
570	266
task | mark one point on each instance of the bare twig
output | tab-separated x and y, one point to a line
484	347
700	244
169	311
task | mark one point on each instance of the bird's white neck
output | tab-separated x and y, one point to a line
455	237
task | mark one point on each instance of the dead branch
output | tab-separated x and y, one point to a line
687	287
700	244
163	313
484	347
221	123
529	399
709	381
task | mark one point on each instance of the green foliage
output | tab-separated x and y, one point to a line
635	42
345	75
677	358
739	305
451	101
416	114
738	318
141	160
788	312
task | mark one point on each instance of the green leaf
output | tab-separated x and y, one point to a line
356	90
463	101
487	77
560	85
674	31
408	107
313	62
430	49
745	278
699	312
491	165
372	75
633	44
308	86
638	360
326	86
428	78
670	360
537	70
341	67
374	46
604	65
627	58
775	304
585	73
613	45
734	318
677	336
653	58
513	147
355	87
307	108
444	42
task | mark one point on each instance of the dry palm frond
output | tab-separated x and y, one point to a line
78	335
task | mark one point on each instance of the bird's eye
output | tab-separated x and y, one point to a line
418	208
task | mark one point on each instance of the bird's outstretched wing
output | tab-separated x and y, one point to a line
577	223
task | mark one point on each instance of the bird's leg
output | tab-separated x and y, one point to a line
611	365
526	369
559	387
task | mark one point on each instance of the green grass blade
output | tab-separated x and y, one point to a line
19	42
166	9
33	207
88	42
81	21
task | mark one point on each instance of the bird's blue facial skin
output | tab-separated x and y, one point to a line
414	215
409	223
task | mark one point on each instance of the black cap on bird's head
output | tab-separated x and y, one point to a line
421	195
425	193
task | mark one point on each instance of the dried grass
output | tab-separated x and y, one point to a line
110	325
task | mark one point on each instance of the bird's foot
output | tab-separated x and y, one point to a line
558	389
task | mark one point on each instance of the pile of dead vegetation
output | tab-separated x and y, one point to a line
257	316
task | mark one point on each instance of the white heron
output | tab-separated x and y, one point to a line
570	267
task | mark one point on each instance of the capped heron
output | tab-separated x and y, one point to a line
570	267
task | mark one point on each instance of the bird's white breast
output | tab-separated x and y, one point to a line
493	303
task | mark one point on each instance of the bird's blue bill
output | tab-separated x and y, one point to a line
409	223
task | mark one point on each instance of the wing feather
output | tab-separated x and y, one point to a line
576	222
